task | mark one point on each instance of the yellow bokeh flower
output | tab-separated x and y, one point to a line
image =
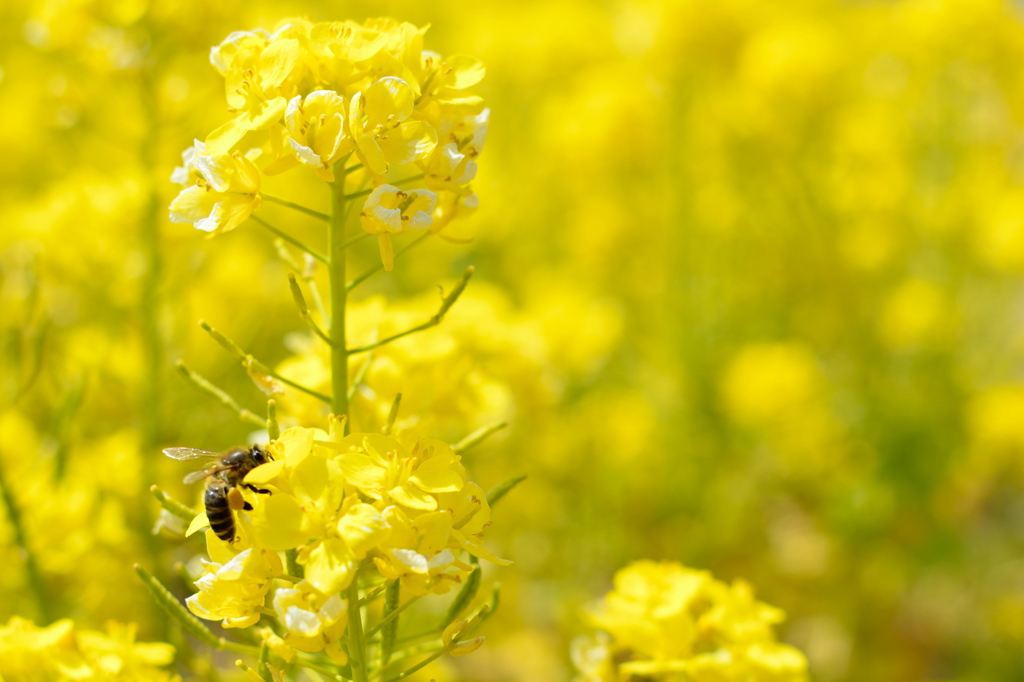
58	652
665	619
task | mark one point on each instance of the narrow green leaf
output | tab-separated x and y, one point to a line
172	506
387	645
499	491
169	603
462	599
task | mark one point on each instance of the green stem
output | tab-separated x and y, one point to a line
261	663
380	266
296	207
360	375
220	396
339	296
368	192
35	579
172	506
356	644
260	367
290	239
391	616
446	304
322	670
422	664
170	604
374	593
355	240
478	436
292	564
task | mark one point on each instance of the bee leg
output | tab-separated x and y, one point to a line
262	491
247	507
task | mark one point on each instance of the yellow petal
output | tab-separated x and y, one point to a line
330	566
198	523
265	473
466	71
310	478
412	497
454	628
295	444
224	138
278	60
155	653
263	115
387	252
467	647
278	522
445	481
336	653
433	528
388	97
359	470
478	550
363	528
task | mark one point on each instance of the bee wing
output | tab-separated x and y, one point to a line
183	454
200	474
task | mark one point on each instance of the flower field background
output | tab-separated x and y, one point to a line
747	292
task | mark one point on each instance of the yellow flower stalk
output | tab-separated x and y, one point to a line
352	514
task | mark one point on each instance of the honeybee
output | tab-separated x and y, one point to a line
224	475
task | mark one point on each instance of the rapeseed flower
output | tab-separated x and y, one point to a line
408	474
237	578
61	652
312	621
389	210
666	620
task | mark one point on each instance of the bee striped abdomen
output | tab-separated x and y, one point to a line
219	512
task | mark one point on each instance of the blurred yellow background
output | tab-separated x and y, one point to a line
748	291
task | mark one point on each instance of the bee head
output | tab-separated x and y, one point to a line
259	455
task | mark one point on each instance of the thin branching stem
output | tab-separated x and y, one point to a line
249	362
35	578
172	506
478	436
355	240
380	266
220	396
359	377
394	614
446	305
356	643
290	239
367	192
339	298
296	207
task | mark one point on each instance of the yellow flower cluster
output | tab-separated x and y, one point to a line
316	95
59	652
401	504
667	621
